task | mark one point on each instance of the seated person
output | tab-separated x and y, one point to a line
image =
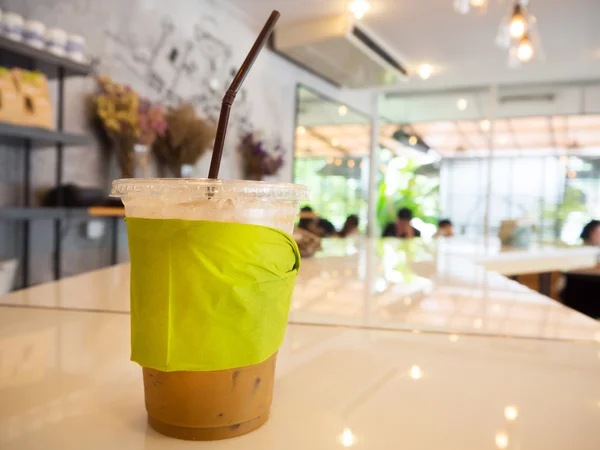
311	222
402	228
350	227
445	228
591	233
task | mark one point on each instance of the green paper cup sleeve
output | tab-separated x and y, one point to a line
208	296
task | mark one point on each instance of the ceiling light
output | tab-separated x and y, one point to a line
347	438
416	373
335	142
359	8
511	413
301	131
413	140
478	3
462	104
501	439
425	71
343	110
485	125
453	338
525	50
518	24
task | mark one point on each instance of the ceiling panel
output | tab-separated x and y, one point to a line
552	135
501	126
478	141
469	127
462	48
525	124
534	140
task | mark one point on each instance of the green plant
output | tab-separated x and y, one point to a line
333	197
572	203
417	192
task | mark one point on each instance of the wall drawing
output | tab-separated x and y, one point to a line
175	69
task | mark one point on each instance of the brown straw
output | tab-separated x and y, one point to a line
215	162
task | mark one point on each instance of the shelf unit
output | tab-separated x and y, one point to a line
20	54
42	135
16	213
43	57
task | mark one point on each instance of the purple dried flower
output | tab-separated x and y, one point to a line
260	157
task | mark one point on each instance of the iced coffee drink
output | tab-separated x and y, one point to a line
213	268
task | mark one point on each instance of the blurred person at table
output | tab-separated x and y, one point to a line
350	227
401	227
445	229
309	221
591	233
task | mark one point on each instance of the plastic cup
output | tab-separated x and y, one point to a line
225	403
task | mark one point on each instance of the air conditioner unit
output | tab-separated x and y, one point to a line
340	50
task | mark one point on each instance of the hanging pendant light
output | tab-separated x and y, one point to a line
519	34
518	22
525	49
514	24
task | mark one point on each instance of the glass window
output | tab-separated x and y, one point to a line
331	157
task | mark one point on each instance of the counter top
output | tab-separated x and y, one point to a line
66	383
383	284
437	287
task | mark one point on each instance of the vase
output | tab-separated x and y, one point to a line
125	156
142	161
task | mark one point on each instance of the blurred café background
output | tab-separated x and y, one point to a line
477	155
482	112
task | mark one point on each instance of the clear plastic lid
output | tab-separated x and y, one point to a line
214	188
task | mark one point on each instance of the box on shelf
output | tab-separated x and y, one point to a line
10	100
35	96
25	98
8	270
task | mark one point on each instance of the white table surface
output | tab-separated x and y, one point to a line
66	384
517	261
383	284
437	286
